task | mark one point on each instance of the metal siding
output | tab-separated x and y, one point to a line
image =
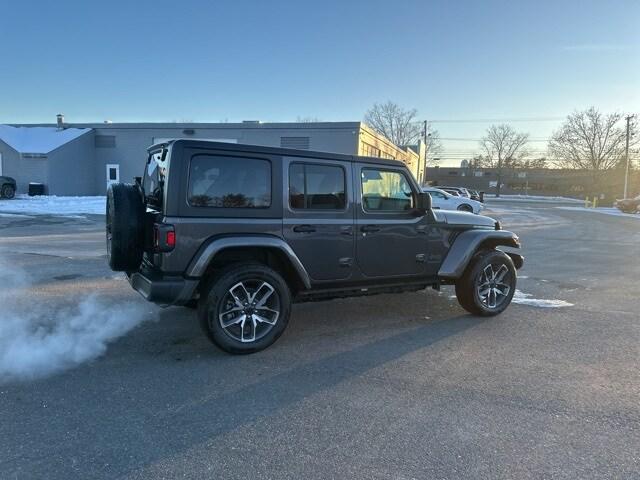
71	168
24	170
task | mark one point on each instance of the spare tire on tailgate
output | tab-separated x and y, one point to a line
125	227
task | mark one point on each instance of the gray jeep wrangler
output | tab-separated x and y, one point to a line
7	187
242	231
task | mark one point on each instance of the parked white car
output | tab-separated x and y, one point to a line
445	201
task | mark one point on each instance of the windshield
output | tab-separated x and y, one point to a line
154	177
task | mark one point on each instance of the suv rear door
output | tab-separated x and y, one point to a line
318	215
391	239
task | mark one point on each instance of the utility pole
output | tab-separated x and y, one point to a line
424	168
626	154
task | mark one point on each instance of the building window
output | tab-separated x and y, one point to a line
370	150
300	143
229	182
452	173
316	187
33	155
105	141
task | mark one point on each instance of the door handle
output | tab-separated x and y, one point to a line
369	228
304	229
347	230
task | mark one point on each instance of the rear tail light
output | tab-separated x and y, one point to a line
171	239
164	237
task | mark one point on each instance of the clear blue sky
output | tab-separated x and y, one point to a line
277	60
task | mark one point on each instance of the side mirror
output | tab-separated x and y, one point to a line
424	202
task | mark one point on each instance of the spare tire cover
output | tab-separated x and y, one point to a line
125	227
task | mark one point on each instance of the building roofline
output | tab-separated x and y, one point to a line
186	125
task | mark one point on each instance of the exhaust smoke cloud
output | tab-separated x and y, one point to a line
37	339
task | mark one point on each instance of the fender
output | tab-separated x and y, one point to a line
466	246
200	262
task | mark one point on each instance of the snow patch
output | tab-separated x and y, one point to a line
532	198
53	205
525	299
603	210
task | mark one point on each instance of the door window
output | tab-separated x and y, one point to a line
316	187
386	191
229	182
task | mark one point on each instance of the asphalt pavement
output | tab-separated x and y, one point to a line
391	386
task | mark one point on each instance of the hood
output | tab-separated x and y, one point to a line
464	218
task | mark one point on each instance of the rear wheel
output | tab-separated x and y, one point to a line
488	284
8	191
245	308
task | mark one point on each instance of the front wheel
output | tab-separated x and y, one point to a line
488	284
465	207
246	308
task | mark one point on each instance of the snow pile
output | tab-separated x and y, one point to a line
52	205
525	299
532	198
36	341
604	210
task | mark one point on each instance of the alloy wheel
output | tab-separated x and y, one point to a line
249	310
494	285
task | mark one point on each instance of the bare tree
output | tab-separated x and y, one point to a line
398	125
504	148
534	163
403	128
589	140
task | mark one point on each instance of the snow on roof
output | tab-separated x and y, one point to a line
40	140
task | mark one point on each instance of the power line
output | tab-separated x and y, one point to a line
462	139
491	120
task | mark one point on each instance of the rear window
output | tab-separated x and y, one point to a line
229	182
316	187
154	177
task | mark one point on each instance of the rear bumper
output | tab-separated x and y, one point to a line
161	289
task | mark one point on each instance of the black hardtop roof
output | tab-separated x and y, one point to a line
242	147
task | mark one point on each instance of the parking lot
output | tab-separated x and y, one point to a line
391	386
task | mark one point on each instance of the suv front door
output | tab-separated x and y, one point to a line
318	216
391	239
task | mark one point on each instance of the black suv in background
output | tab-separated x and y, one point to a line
7	187
242	231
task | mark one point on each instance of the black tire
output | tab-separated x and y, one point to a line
125	227
475	277
465	207
219	295
8	192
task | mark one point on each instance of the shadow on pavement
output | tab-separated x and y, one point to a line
194	424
